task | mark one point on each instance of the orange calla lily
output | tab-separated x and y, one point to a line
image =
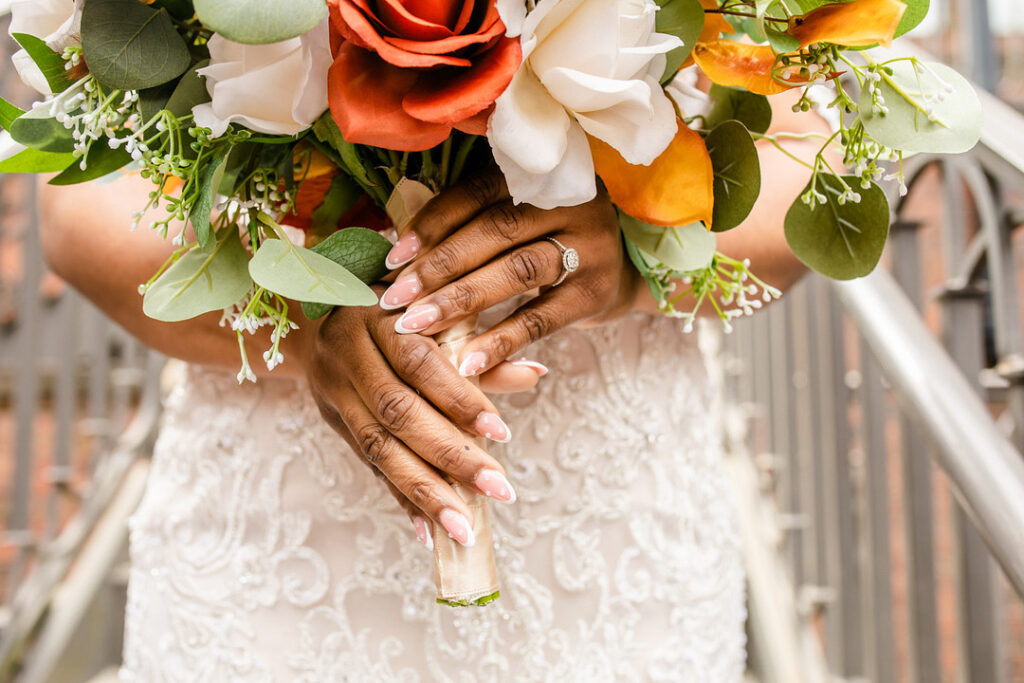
730	63
714	26
677	189
854	24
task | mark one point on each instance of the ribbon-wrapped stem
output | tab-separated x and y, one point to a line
465	576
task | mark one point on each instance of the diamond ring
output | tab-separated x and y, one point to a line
570	260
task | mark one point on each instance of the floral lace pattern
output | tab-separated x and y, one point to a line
265	551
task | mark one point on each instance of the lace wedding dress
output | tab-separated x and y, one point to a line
264	550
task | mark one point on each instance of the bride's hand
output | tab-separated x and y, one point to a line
379	390
471	248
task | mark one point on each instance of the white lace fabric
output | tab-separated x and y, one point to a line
264	550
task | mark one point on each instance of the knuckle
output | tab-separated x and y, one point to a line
535	324
373	442
462	298
442	263
482	188
526	266
416	357
420	494
502	223
503	345
450	458
395	407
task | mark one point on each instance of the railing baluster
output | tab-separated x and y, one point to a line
61	474
803	498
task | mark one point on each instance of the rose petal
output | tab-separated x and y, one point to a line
408	24
476	124
569	183
855	24
452	44
365	95
730	63
677	189
513	14
443	12
528	126
354	25
448	96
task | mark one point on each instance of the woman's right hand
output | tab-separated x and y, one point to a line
401	404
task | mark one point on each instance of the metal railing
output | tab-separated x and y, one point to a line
884	420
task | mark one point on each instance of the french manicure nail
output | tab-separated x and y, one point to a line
493	427
402	293
458	527
496	486
539	368
423	532
418	318
405	250
473	364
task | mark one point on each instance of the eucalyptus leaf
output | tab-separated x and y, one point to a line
257	22
131	46
190	91
358	250
737	170
917	10
645	264
683	19
303	275
840	241
99	162
238	160
340	198
682	249
781	42
154	100
49	62
202	281
912	90
199	216
8	114
752	110
34	161
38	130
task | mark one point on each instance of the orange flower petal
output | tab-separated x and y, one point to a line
855	24
730	63
714	24
677	189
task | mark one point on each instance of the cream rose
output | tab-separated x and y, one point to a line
279	89
57	22
589	67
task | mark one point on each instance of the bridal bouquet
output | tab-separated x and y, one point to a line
285	140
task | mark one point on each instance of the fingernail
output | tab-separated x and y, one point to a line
402	293
423	532
493	427
458	527
418	318
496	486
473	364
405	250
539	368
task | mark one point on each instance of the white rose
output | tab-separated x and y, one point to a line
589	67
279	88
57	22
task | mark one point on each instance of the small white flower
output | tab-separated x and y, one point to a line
57	22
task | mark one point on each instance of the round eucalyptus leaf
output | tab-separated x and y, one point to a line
841	241
909	93
257	22
360	251
683	249
130	46
752	110
301	274
201	281
917	10
737	174
38	131
683	19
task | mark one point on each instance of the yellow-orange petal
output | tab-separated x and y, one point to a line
714	26
854	24
731	63
677	189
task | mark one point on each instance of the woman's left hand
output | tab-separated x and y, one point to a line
471	248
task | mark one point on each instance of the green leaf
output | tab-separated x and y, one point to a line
179	9
781	42
34	161
99	162
358	250
301	274
190	92
917	10
257	22
36	129
685	20
48	61
8	114
340	197
238	160
737	174
752	110
154	100
953	102
130	46
208	179
202	281
682	249
646	264
840	241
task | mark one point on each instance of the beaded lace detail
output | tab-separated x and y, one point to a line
264	550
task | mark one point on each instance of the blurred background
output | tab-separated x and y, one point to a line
874	429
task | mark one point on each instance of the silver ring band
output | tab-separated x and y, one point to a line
570	260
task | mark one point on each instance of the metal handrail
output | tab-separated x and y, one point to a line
985	469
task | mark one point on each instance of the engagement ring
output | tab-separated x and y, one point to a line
570	260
